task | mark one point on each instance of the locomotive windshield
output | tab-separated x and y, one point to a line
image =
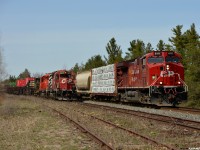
173	59
155	60
65	75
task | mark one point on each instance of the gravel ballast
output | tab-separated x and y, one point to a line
182	115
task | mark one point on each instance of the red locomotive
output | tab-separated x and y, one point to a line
58	84
155	78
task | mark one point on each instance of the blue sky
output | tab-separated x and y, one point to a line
47	35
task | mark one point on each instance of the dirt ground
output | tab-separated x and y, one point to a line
26	125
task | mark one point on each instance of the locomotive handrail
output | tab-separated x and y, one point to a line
150	87
186	86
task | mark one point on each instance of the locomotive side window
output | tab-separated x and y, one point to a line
155	60
172	59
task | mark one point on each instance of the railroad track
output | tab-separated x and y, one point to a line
183	109
100	140
94	137
189	124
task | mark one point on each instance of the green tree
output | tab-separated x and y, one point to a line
161	45
169	47
136	49
179	40
192	56
24	74
76	68
12	78
94	62
148	48
188	45
114	52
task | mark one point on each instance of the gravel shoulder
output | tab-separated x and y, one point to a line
182	115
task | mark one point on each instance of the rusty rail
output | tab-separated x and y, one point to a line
156	117
98	140
130	131
183	109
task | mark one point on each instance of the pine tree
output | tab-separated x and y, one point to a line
136	49
179	40
161	45
149	48
76	68
114	52
193	61
94	62
188	45
24	74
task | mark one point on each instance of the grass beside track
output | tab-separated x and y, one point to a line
26	125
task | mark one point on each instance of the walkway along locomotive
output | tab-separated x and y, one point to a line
155	78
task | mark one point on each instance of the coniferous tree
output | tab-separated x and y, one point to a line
161	45
169	47
24	74
12	78
179	40
149	48
193	61
76	68
188	45
114	52
94	62
136	49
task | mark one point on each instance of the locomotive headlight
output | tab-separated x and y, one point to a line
153	77
161	83
179	82
167	67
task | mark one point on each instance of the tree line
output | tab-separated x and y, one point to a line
186	43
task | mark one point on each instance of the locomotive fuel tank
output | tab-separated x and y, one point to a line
83	82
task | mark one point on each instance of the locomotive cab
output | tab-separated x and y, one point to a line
166	77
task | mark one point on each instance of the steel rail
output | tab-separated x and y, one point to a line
181	109
129	131
189	109
165	119
100	141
